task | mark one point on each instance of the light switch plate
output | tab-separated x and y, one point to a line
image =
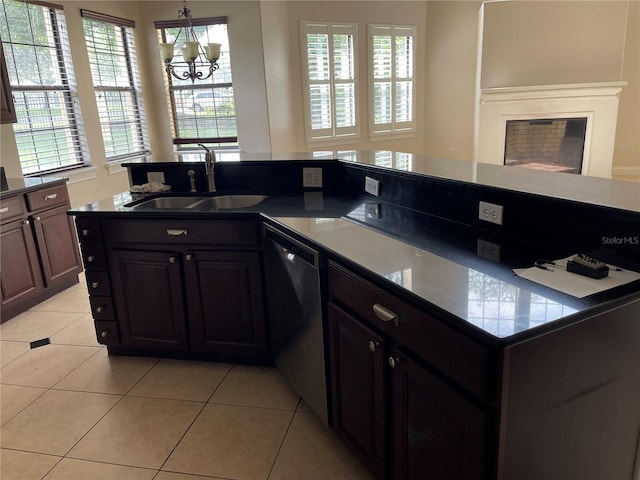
312	177
372	186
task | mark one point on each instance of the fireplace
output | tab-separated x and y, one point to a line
590	110
552	144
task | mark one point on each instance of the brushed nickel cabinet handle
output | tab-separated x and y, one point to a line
384	314
95	284
172	259
373	345
90	258
189	257
176	232
85	232
393	362
99	309
4	209
104	333
51	196
37	219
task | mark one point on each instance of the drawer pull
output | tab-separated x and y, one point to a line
4	209
189	257
176	232
37	219
104	333
393	362
172	259
51	196
85	233
90	259
373	345
384	314
99	309
95	284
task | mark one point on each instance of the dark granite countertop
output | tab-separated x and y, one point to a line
429	261
23	185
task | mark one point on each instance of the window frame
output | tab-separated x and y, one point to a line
332	135
394	128
170	89
136	118
72	127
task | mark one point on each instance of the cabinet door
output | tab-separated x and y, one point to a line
148	295
437	433
225	306
20	275
357	383
58	245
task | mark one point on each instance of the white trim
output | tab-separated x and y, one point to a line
76	175
115	166
633	171
596	101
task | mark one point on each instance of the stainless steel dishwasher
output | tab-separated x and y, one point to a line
295	317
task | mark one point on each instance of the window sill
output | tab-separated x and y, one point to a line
376	137
330	141
115	166
76	175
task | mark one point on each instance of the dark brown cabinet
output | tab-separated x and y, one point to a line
225	303
40	254
149	299
21	278
402	416
189	287
436	432
358	388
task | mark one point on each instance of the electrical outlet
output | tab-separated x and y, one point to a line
312	177
490	212
488	250
372	186
155	177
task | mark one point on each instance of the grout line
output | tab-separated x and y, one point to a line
284	437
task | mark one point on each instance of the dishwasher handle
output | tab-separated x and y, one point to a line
289	246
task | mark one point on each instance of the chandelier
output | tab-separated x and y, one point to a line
191	51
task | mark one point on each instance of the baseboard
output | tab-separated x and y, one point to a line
619	171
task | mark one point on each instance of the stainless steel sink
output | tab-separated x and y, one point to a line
228	202
202	204
166	203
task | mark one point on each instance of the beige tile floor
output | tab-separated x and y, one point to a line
69	411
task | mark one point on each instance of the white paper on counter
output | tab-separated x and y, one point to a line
557	277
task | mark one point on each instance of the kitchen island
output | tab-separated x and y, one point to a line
441	362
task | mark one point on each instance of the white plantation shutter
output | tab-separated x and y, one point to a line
391	79
49	132
114	69
330	81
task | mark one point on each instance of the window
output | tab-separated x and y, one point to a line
114	69
391	79
49	132
330	87
203	111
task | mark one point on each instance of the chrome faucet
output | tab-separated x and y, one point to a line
209	163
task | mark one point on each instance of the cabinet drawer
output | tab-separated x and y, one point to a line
217	233
102	308
94	257
48	198
98	282
107	332
88	230
454	354
12	208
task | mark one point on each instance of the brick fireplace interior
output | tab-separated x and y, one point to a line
546	144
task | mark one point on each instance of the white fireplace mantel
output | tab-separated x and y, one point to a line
598	102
